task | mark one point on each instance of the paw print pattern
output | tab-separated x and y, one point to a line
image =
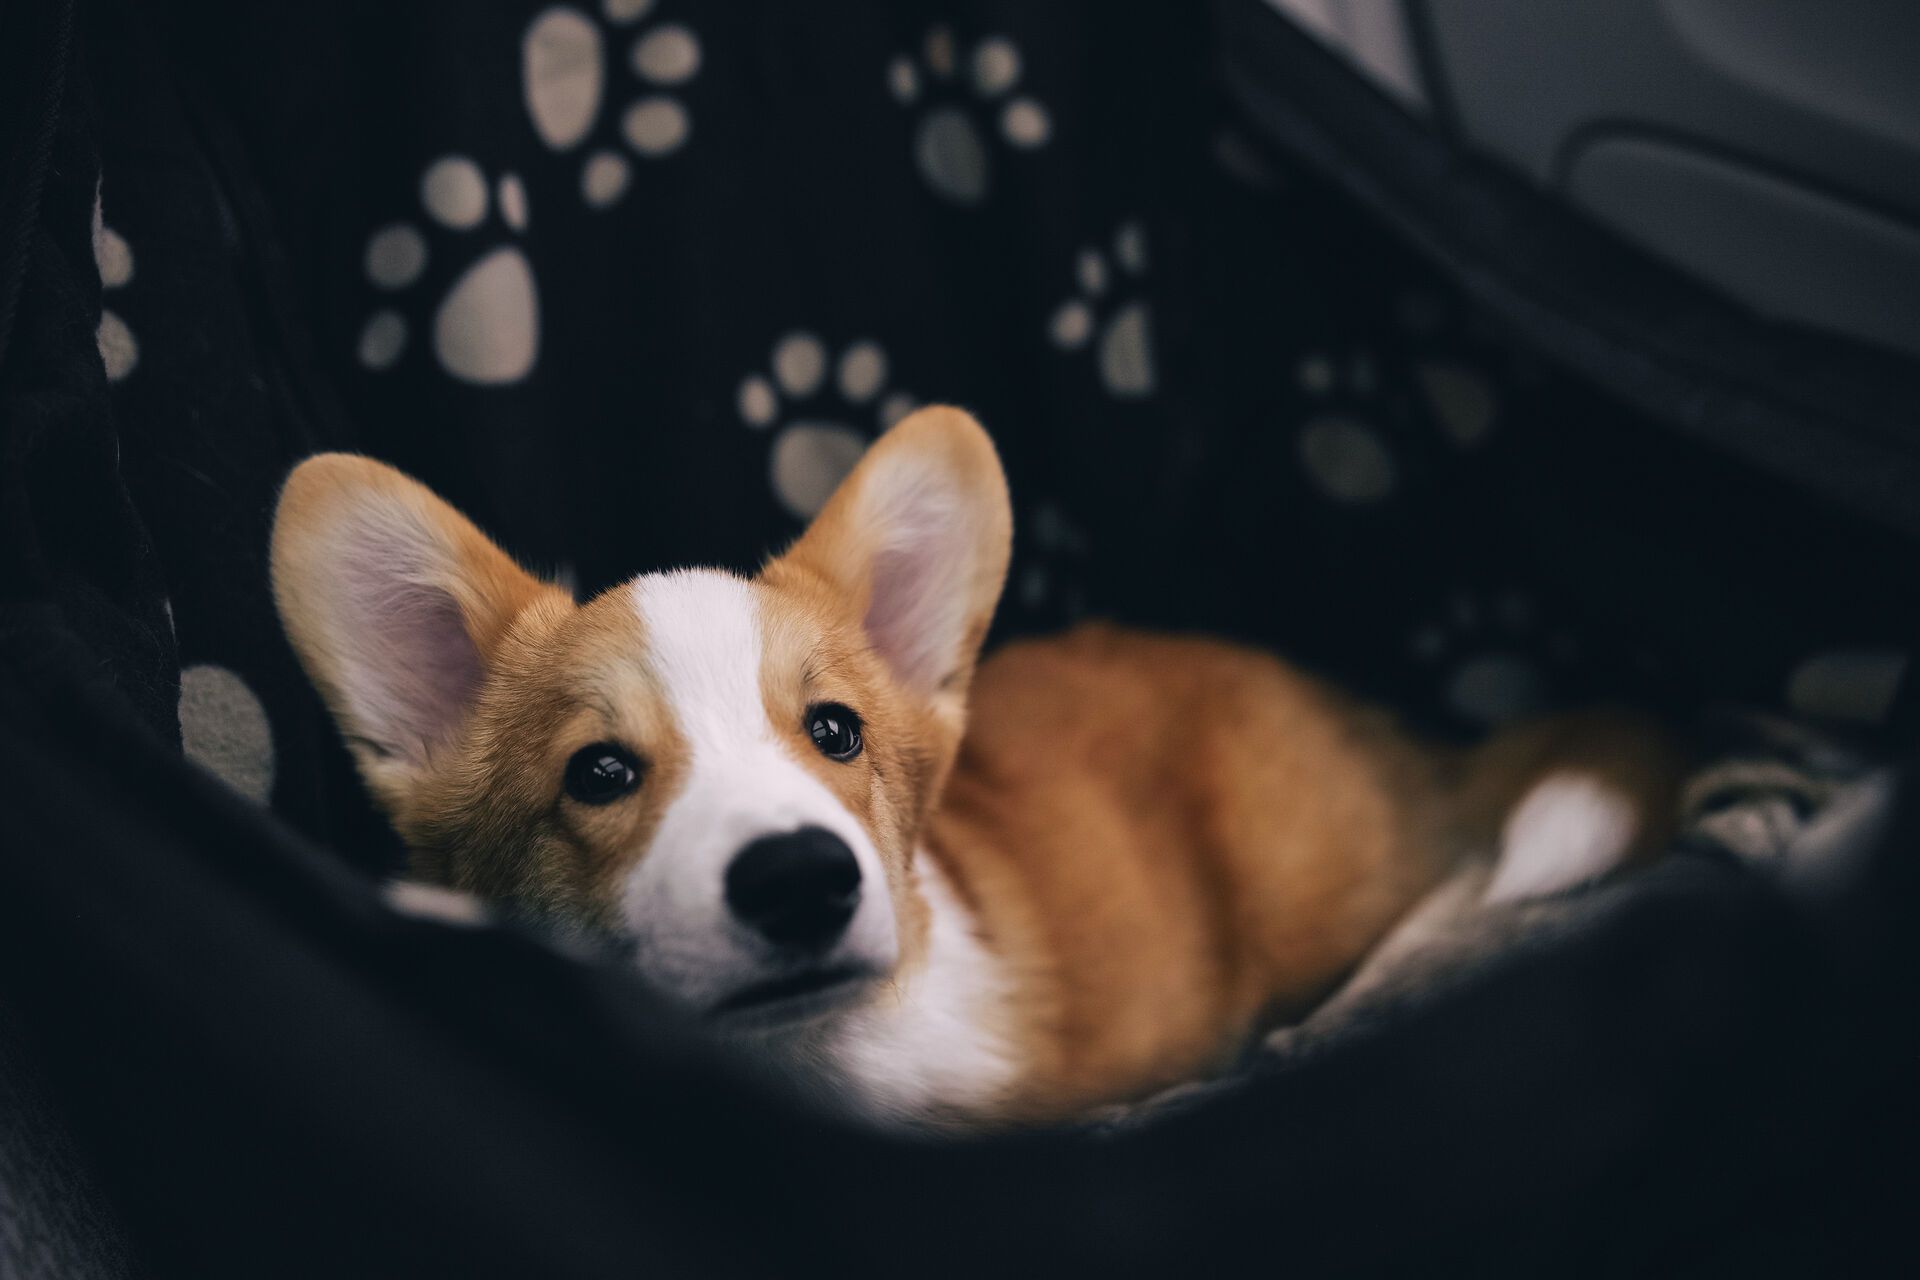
812	454
1054	556
114	257
1494	660
1342	449
1344	455
948	147
1124	345
1852	685
1461	400
486	329
224	729
563	72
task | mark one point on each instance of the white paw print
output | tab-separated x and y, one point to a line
1054	562
1124	346
812	454
947	146
1858	685
1461	400
1496	662
224	729
1344	455
486	329
563	70
114	257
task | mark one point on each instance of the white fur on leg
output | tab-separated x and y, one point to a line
1571	828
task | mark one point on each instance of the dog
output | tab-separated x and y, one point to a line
938	891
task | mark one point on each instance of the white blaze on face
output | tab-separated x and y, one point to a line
702	636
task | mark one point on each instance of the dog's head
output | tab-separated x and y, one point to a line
726	775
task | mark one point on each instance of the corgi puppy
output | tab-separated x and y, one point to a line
936	893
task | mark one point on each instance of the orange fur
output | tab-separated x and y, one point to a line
1177	841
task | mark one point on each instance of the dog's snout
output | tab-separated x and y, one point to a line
797	889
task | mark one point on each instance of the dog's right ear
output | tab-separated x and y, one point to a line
395	603
915	541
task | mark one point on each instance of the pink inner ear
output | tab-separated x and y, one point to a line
411	669
917	617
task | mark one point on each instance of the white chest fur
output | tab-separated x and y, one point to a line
930	1043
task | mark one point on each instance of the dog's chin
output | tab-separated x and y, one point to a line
776	1004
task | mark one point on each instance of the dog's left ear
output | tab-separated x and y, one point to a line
916	539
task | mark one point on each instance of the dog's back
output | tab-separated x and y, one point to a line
1172	841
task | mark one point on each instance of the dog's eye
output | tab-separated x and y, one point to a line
835	730
601	773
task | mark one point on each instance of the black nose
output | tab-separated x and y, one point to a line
797	889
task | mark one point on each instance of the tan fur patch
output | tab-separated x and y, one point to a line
498	822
